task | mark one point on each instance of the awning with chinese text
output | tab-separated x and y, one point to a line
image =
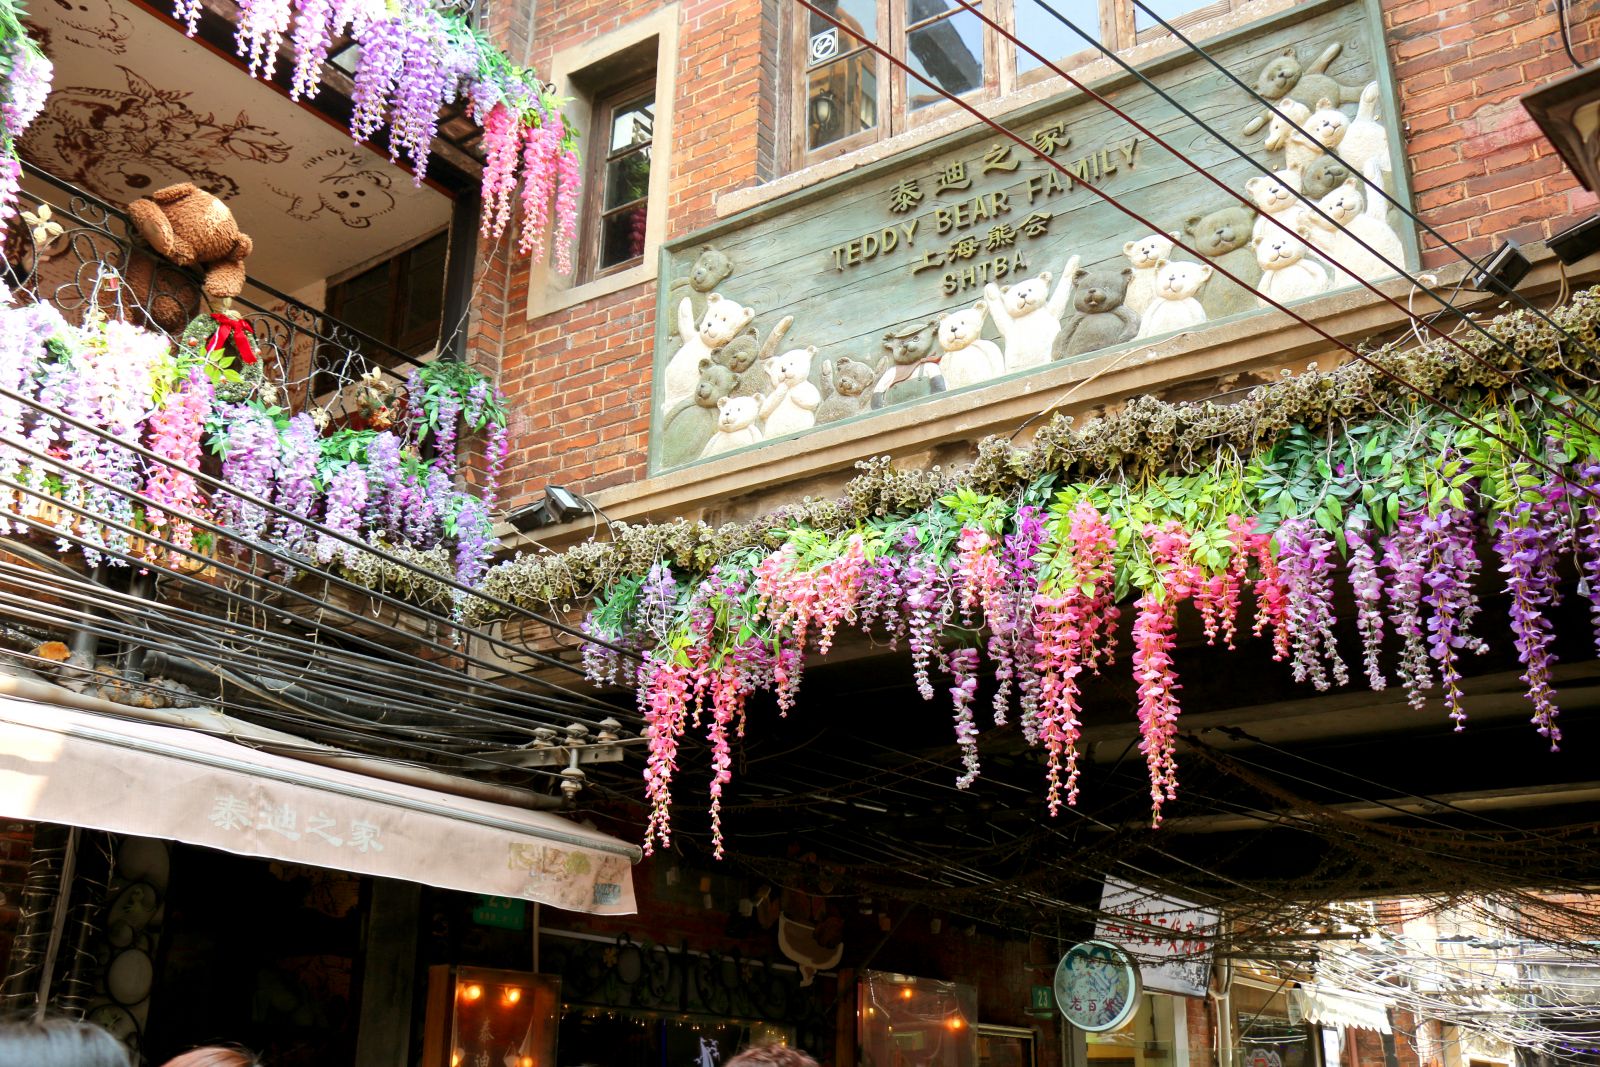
65	766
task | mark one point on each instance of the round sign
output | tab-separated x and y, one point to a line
1097	986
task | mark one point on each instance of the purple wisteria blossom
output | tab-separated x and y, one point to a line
1451	571
1011	626
298	450
347	501
1528	538
250	463
1305	560
963	666
1403	554
1368	587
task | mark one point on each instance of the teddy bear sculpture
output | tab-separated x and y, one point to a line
844	389
1223	237
689	426
1176	307
1103	317
968	358
191	227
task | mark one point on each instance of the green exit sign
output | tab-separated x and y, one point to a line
508	913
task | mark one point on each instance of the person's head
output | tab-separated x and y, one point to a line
59	1043
771	1056
213	1056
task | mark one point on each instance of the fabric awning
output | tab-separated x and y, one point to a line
1341	1007
67	766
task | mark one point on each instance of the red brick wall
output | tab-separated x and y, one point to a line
1482	171
580	379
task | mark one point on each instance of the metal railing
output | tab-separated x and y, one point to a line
67	260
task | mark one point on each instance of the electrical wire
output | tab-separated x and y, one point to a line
1273	218
1398	379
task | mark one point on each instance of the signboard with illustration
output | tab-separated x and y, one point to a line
971	259
1172	940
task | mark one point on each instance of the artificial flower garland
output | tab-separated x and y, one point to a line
414	60
373	486
25	76
1031	565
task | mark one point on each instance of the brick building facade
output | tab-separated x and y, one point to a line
579	372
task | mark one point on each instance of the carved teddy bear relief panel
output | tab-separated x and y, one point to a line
964	265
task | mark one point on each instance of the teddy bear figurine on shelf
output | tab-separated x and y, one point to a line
190	227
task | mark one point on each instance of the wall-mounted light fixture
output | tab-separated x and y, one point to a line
558	505
1577	242
1505	269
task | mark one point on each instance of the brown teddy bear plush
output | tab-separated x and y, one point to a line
189	226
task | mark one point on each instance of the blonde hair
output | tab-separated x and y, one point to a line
771	1056
214	1056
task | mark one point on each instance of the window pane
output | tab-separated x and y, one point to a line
627	178
633	124
1167	9
841	99
423	293
1049	36
949	53
365	302
622	237
825	41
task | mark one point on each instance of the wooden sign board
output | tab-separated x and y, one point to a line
825	306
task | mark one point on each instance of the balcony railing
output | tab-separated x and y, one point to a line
89	253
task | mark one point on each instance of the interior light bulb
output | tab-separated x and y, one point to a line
473	991
513	994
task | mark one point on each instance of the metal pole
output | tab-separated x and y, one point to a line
58	922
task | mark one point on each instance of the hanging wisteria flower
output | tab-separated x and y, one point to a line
1451	574
262	24
568	197
26	87
501	139
1403	554
664	684
928	609
249	462
383	45
313	33
1011	623
540	150
1368	588
1154	638
1072	610
1305	560
347	502
299	448
1588	543
1527	539
475	540
962	664
174	433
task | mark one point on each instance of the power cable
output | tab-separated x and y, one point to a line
1273	218
1217	268
1393	201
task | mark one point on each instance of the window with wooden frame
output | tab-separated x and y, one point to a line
618	183
399	302
846	95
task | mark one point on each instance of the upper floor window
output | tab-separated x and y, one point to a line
619	187
848	95
399	302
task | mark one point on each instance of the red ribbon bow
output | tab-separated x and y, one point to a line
232	329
